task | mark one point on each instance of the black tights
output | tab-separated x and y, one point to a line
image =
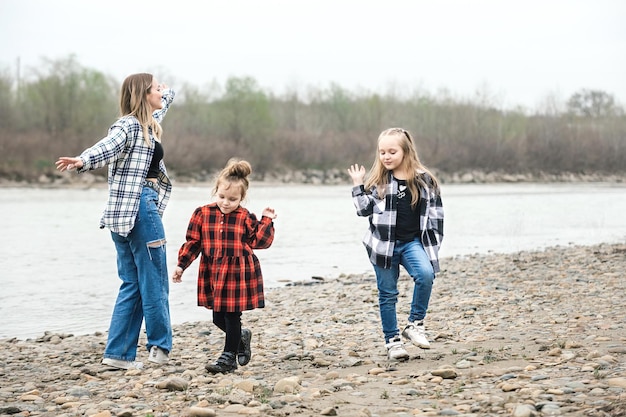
229	323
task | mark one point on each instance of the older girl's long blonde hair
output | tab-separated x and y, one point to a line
134	102
379	175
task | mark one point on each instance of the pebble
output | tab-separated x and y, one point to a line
527	334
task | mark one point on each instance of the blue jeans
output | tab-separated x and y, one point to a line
412	256
142	267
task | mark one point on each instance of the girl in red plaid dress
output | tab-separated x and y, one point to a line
229	277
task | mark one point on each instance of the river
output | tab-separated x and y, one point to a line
58	270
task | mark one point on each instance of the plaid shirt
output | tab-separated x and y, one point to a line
229	277
128	156
380	238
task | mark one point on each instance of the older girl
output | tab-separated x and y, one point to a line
402	199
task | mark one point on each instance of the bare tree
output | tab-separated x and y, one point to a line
593	103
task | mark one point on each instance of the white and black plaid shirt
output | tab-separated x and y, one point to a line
380	238
128	156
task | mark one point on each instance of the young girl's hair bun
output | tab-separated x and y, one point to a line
238	168
237	171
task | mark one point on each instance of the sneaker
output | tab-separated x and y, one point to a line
244	353
416	334
224	364
122	364
395	350
158	355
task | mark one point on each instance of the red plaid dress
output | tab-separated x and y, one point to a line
229	277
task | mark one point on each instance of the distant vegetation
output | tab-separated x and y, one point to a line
62	107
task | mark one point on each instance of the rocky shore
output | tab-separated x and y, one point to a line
524	334
328	177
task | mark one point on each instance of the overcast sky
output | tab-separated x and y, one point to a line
518	52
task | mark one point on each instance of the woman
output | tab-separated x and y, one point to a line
139	190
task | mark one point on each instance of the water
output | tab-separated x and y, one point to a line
59	273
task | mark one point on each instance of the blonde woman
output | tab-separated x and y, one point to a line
139	190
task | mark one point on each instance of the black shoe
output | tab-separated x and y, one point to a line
244	353
224	364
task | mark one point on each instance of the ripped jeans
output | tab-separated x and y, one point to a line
144	292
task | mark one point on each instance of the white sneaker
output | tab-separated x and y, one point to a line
395	350
122	364
158	355
416	334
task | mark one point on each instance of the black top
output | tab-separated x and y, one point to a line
408	220
153	171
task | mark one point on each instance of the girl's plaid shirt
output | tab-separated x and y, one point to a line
128	156
379	240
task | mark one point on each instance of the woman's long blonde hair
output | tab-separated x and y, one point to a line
134	102
235	172
379	175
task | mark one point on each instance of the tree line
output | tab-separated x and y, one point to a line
64	107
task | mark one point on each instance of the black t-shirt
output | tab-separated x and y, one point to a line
408	220
153	171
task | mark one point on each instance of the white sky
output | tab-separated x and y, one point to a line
517	52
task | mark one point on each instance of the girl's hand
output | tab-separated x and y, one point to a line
177	276
66	163
357	173
269	212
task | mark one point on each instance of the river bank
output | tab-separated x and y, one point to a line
330	177
523	334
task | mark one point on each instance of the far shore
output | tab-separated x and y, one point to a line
321	177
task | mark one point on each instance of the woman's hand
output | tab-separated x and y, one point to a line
67	163
357	173
177	276
269	212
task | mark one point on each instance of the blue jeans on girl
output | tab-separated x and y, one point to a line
412	256
142	267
